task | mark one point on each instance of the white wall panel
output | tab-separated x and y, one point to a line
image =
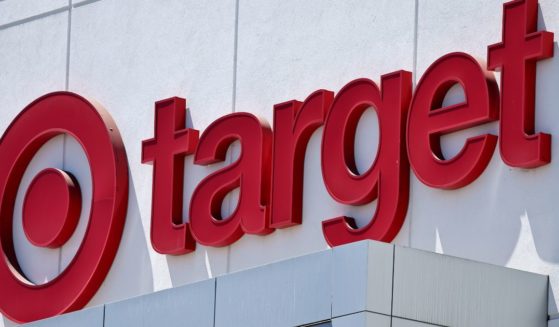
443	27
75	162
32	63
14	11
39	264
127	55
247	56
538	253
288	49
506	217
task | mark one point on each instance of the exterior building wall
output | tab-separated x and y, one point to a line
239	55
363	284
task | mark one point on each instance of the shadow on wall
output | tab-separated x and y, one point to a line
544	221
204	262
508	216
505	217
515	204
130	274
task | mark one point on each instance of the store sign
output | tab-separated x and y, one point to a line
269	170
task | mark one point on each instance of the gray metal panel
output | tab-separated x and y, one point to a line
362	319
321	324
362	278
90	317
429	290
455	292
399	322
190	305
289	293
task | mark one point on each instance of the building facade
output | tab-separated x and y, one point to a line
236	56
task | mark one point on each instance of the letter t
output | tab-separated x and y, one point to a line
516	56
172	142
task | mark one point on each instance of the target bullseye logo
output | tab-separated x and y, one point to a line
53	203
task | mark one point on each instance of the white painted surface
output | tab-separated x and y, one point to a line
75	162
287	50
32	62
128	54
12	11
36	53
507	216
182	48
39	265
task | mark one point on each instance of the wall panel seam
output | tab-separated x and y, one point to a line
34	17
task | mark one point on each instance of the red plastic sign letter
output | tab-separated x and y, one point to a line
516	56
250	172
388	177
172	142
294	123
428	121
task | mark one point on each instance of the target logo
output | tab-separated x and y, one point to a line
52	204
269	171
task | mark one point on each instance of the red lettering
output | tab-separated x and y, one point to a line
516	56
275	200
294	123
428	121
250	172
172	142
388	177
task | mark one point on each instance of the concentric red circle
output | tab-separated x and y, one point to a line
51	208
49	116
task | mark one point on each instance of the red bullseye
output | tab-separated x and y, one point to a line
51	208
